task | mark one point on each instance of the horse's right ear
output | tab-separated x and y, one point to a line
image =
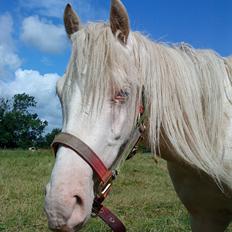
71	20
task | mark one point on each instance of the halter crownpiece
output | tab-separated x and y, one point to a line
104	175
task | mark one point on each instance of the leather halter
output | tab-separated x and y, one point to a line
104	175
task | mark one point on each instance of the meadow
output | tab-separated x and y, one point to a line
143	196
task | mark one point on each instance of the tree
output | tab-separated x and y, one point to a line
21	102
50	136
18	126
47	140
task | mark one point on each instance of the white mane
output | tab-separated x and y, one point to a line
184	90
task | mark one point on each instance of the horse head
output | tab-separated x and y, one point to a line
100	96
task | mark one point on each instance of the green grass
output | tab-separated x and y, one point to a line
143	196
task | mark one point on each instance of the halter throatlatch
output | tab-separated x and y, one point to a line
104	175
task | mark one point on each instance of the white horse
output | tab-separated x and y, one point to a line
188	108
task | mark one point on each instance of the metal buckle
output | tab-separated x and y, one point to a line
100	197
103	191
106	190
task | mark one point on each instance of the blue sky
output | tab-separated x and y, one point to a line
34	50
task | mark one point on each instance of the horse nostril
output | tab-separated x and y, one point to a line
79	201
117	137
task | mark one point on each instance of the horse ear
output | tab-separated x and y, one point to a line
119	21
71	20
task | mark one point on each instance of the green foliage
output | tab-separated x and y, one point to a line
50	136
18	126
47	140
21	102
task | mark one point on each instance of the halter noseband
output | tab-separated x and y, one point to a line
104	175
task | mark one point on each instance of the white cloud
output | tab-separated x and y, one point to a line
55	8
47	36
42	87
6	25
14	80
43	35
9	60
49	8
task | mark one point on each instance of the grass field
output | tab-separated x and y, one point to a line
143	196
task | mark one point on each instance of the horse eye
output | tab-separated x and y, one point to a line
122	93
121	96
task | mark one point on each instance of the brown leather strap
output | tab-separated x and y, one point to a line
104	175
111	220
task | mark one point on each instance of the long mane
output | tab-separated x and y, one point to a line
184	90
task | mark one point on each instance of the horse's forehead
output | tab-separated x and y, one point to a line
88	31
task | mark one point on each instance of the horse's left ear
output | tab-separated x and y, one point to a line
71	20
119	21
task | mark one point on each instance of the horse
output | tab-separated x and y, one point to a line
187	96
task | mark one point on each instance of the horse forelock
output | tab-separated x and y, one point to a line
184	89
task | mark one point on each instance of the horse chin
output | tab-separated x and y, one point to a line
69	227
74	228
80	226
